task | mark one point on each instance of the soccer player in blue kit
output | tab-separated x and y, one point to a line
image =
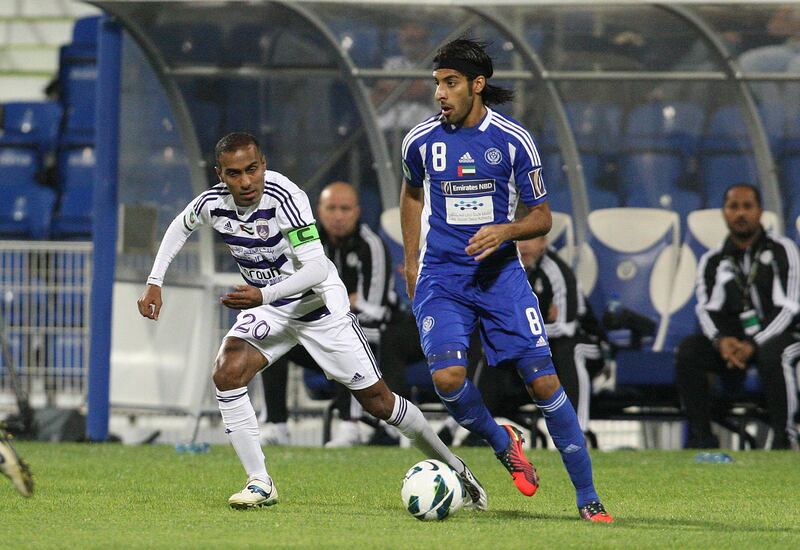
465	170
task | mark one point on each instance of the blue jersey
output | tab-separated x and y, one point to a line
471	177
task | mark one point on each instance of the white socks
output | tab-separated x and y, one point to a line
241	425
412	424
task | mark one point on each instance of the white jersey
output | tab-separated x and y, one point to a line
260	240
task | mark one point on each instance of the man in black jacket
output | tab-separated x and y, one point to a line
365	268
747	305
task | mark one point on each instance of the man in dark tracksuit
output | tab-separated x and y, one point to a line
363	263
747	305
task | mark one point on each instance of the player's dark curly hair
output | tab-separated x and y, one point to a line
233	142
468	56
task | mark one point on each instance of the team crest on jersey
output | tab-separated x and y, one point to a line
427	324
493	155
262	229
535	176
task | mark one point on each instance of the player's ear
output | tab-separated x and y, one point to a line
264	160
219	172
478	84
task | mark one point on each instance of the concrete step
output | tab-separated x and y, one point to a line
22	87
45	8
36	31
28	59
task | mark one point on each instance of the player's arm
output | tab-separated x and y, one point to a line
411	203
312	271
182	226
488	238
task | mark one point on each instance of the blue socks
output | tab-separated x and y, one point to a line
562	423
467	407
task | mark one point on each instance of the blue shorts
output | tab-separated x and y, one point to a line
447	308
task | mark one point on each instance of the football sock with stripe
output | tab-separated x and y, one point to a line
241	426
410	422
562	423
467	407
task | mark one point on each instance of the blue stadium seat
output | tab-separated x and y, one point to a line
74	216
76	166
30	124
726	153
19	164
659	140
26	209
631	257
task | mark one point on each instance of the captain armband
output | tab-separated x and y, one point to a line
303	235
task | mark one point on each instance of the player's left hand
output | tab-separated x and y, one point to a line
242	297
488	238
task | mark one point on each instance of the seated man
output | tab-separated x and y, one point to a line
361	258
747	305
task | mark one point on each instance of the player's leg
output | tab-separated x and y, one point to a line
694	360
780	388
341	349
13	467
275	381
446	319
236	364
256	338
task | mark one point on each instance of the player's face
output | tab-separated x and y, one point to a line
742	212
532	249
458	98
338	211
242	171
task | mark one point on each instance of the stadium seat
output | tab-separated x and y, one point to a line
392	235
725	152
26	209
19	164
627	265
30	124
562	236
74	216
705	229
658	143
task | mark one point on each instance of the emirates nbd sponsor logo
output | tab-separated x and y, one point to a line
468	187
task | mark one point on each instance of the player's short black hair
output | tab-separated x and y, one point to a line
756	191
468	56
234	141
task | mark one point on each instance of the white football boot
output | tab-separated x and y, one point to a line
14	468
256	493
476	496
348	434
275	434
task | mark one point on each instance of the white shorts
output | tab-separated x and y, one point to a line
336	342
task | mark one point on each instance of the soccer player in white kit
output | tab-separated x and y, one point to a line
293	296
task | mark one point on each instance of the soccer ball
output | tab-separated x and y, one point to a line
432	490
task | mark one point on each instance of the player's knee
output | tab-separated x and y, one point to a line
544	387
449	379
230	370
377	400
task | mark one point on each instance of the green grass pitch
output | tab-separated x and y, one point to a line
114	496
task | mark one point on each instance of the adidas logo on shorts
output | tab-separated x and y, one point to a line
356	378
541	342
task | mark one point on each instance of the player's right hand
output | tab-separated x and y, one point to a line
149	302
